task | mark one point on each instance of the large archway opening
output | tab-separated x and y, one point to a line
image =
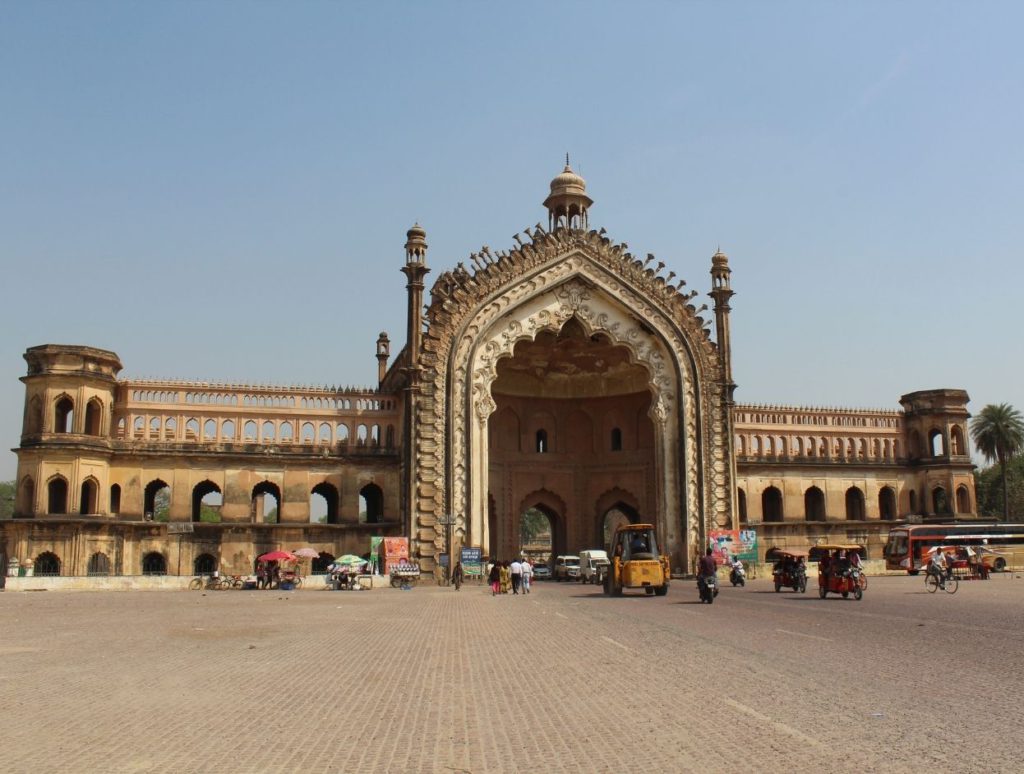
617	516
265	507
206	502
571	417
536	534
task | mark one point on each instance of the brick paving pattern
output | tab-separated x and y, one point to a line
562	680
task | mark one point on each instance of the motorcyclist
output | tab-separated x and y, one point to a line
737	568
707	568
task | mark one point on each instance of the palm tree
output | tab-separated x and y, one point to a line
998	432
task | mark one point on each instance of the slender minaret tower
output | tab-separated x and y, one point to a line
721	292
415	269
383	351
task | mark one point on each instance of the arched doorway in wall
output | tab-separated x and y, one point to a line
88	497
204	564
47	563
323	504
536	534
156	501
854	504
940	501
206	502
617	516
265	507
99	564
963	500
93	415
887	503
552	396
371	504
154	563
741	495
57	495
771	504
814	504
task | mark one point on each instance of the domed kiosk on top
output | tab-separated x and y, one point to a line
567	204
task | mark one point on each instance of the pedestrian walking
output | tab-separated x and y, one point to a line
516	571
527	575
506	578
494	578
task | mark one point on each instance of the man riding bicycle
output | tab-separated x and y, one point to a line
938	567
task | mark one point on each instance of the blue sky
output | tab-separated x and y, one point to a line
221	190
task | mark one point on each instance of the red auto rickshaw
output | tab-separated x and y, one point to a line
790	570
838	573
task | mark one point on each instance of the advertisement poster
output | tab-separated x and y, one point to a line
395	550
472	561
375	543
727	544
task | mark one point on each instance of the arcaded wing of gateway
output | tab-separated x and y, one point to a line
564	379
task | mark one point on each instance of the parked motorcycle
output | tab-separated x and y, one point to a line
708	588
738	575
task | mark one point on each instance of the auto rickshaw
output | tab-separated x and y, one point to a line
790	570
836	573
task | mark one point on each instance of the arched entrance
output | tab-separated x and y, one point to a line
536	534
266	503
206	502
615	517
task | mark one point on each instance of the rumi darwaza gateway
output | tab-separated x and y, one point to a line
563	376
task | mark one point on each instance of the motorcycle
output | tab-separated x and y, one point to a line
738	575
708	588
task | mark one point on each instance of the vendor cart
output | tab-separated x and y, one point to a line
404	575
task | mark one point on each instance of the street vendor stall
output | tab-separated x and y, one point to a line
405	574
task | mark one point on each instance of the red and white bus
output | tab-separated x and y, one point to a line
1000	546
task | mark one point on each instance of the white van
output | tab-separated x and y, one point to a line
593	565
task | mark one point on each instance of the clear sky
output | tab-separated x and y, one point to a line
221	190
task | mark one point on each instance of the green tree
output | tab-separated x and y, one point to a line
162	505
998	433
534	524
988	485
7	490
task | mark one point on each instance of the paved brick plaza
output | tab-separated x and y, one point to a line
433	680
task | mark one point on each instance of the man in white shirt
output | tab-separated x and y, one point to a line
516	571
527	575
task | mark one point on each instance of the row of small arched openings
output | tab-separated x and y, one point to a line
937	443
773	505
281	431
206	499
49	564
64	415
800	446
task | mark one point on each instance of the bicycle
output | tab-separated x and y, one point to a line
207	582
933	583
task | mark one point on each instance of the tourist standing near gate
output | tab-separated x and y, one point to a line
527	575
494	578
516	571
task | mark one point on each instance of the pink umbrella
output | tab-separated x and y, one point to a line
277	556
308	553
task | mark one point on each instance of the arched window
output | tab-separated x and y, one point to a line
742	497
371	504
308	432
63	415
268	431
93	415
956	441
204	564
210	430
963	500
264	512
47	563
936	442
115	498
361	435
57	495
341	430
854	504
940	502
771	504
89	495
542	441
323	504
206	502
814	504
887	503
27	497
249	431
99	564
154	563
227	431
192	429
616	439
287	431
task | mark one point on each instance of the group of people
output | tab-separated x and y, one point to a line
514	576
268	575
840	563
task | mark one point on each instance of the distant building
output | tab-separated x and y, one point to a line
564	375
